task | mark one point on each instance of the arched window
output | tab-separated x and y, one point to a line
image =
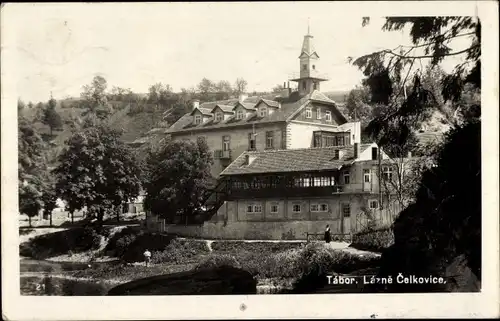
314	67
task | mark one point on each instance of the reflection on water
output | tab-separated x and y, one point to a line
55	285
40	277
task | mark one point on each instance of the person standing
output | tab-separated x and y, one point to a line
328	237
147	257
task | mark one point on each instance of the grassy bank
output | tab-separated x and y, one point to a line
271	264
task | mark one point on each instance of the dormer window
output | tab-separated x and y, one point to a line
240	114
328	115
262	111
197	119
219	116
318	113
308	112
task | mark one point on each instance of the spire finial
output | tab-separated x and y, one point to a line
308	33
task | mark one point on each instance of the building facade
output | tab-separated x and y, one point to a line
286	166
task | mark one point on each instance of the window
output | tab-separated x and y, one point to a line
347	178
340	141
219	116
315	85
253	208
270	139
346	210
374	153
387	173
251	141
302	182
296	208
318	113
262	111
330	141
308	112
366	175
328	115
283	139
304	67
373	204
274	208
197	119
337	154
317	139
314	67
304	85
240	114
314	207
323	181
226	140
323	208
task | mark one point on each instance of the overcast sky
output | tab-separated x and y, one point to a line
61	47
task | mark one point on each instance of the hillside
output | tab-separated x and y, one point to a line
134	124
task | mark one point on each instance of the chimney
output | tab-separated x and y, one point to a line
288	85
357	150
284	84
196	103
249	159
242	97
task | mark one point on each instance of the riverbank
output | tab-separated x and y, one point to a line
115	256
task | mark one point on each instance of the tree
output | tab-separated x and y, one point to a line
31	169
51	117
97	170
223	90
240	86
358	105
177	179
49	199
277	89
444	222
20	105
95	99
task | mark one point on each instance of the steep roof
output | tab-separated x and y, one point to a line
204	111
271	103
225	108
308	46
292	160
247	106
289	108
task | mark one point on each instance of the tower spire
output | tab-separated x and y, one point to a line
308	26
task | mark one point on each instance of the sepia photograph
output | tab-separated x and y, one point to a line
239	149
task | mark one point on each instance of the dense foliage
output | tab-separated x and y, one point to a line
32	169
97	171
177	178
444	222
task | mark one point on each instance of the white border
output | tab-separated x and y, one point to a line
484	304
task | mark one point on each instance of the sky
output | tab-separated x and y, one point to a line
61	47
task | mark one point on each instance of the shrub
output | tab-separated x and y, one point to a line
375	240
276	265
257	247
315	261
218	260
90	234
180	251
72	240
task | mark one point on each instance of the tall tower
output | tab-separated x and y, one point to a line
309	78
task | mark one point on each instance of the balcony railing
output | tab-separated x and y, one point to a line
222	154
